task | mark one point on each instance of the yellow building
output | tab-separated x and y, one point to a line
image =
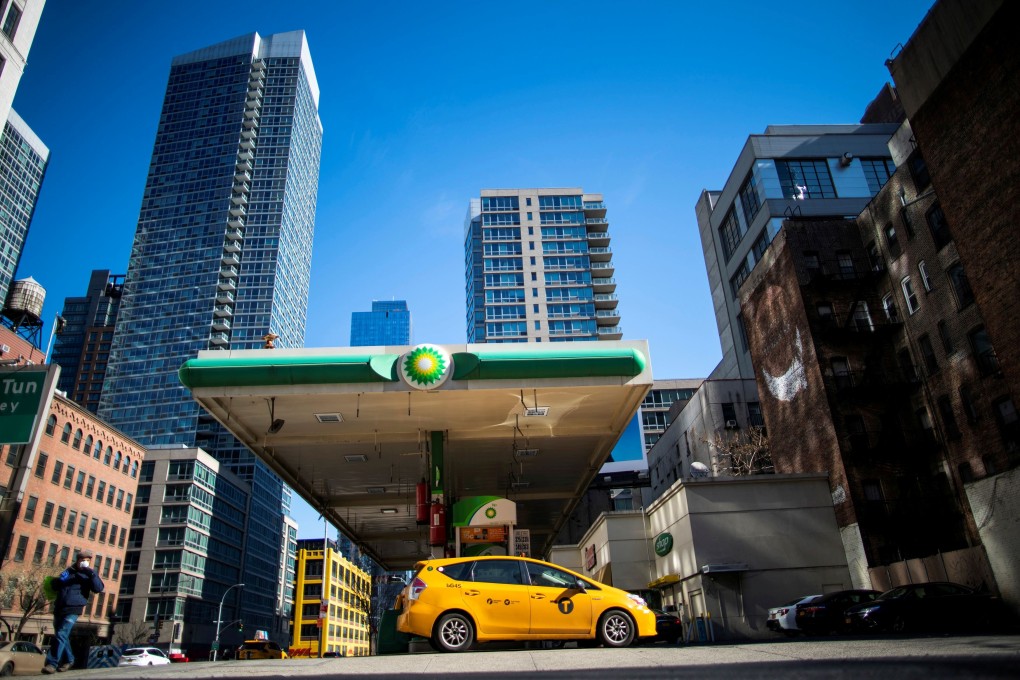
344	628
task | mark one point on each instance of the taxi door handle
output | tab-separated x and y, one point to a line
537	596
472	592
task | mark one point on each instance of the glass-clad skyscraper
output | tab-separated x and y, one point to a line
23	160
539	267
221	258
389	323
82	348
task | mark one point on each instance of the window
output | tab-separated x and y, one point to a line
804	179
919	171
497	571
892	241
65	435
845	262
825	314
841	374
749	199
739	277
30	508
92	485
729	234
961	286
40	548
19	552
93	528
51	425
947	342
967	401
862	317
889	307
80	484
76	443
939	227
69	477
984	353
1008	421
922	269
40	465
945	407
103	531
909	296
83	521
873	490
47	515
72	517
877	172
928	353
58	467
760	245
11	22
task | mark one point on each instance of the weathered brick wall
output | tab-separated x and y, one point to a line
969	132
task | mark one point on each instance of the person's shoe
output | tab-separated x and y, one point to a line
64	667
47	669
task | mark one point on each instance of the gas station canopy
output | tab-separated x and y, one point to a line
352	430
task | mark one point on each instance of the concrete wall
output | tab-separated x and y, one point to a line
995	502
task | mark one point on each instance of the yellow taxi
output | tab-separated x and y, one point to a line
456	602
260	649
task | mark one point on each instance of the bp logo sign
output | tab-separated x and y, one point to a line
663	544
426	367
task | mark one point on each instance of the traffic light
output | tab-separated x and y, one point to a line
240	627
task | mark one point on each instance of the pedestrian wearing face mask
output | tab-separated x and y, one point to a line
73	587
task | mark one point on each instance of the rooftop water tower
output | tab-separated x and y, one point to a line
22	311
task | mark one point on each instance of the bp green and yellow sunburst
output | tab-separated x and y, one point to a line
424	365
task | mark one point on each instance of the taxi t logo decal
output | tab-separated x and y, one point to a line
565	606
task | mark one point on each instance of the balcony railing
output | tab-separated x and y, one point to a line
596	220
594	205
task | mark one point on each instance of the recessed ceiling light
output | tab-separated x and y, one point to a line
389	511
536	411
376	489
356	458
329	417
521	485
526	453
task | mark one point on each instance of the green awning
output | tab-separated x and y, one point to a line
269	368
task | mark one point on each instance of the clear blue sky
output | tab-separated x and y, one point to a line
425	103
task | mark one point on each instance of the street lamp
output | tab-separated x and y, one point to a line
219	619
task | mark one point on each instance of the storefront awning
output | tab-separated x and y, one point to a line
663	581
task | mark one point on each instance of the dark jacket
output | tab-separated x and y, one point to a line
73	588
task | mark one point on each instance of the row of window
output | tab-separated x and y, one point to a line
117	460
83	484
58	555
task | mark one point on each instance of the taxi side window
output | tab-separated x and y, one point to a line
549	577
497	571
458	572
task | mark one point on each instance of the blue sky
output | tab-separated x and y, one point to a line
424	104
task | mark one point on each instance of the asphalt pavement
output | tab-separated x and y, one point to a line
903	658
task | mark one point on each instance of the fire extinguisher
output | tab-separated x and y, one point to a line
437	525
421	497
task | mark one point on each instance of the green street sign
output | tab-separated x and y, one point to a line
663	544
20	394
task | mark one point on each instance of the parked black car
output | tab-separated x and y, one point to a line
927	606
827	613
668	627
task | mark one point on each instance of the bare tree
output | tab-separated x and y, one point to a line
131	633
21	592
740	453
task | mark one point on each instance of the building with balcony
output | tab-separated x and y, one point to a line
221	258
23	161
185	548
389	323
331	602
539	267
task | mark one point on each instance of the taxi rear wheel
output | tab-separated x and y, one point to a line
454	632
616	629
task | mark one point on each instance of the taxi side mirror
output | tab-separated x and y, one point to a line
580	585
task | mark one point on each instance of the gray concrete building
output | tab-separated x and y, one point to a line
788	172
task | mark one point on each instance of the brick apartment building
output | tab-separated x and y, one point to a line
78	492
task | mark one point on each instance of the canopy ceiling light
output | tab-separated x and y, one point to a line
275	424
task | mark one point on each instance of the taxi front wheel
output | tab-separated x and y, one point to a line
454	632
616	629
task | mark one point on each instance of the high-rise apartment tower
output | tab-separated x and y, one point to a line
221	258
539	267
